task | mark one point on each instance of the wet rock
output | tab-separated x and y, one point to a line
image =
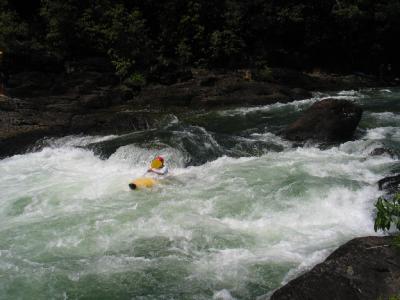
209	81
217	90
167	96
329	120
118	122
39	84
6	104
236	91
21	142
98	100
85	82
23	122
314	81
383	151
390	184
85	96
365	268
292	78
299	93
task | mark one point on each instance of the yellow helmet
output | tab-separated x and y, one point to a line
157	163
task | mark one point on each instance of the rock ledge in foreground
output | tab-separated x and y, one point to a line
364	268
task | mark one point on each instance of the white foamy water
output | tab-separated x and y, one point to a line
387	116
232	228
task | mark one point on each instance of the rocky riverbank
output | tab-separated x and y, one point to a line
88	98
364	268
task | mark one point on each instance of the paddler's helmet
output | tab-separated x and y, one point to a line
157	163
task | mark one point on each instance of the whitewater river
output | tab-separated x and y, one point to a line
242	212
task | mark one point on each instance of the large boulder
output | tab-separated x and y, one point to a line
364	268
329	120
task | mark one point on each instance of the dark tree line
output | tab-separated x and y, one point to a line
139	37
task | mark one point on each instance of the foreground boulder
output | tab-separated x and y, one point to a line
364	268
329	120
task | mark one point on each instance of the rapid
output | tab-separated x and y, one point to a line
242	212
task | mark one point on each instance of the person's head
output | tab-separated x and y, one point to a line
157	163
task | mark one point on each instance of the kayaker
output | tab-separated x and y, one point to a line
158	167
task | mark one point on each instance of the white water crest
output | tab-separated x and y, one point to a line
231	228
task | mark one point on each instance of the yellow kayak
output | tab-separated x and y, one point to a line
142	182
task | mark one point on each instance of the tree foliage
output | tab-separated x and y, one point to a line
139	36
388	213
14	33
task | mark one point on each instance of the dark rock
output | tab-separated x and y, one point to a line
39	84
98	100
209	81
314	81
299	93
292	78
322	81
6	104
21	142
167	96
383	151
117	122
390	184
218	90
241	98
365	268
23	122
329	120
87	97
85	82
246	88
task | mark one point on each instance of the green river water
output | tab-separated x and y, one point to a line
242	212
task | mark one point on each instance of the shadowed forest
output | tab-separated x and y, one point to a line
143	39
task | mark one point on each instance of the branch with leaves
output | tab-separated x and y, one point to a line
388	213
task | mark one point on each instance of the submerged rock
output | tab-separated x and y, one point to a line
364	268
383	151
329	120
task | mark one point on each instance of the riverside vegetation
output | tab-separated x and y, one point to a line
388	213
146	39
